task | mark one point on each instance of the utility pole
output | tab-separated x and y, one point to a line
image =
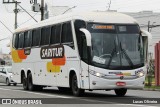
16	13
42	10
16	10
148	25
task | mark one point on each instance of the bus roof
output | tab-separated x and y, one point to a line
96	16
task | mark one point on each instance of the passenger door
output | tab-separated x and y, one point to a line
82	49
84	64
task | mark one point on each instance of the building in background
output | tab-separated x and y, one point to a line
150	18
5	58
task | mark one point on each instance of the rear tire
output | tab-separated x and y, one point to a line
7	82
31	87
25	84
74	86
120	92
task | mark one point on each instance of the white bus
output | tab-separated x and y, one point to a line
84	51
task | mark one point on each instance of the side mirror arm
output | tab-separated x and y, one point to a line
87	35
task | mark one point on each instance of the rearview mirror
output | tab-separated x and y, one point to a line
87	35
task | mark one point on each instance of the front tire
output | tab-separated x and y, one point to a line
120	92
74	86
7	82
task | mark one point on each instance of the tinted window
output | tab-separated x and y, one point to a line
45	35
66	33
55	34
27	39
15	41
58	32
21	40
36	37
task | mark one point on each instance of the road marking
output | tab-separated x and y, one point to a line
36	93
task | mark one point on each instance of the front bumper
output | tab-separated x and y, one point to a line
102	83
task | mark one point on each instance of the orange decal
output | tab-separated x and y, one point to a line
21	54
59	61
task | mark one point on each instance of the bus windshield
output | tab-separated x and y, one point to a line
116	46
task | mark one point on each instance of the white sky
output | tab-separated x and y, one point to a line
7	15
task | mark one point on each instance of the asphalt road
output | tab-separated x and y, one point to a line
96	98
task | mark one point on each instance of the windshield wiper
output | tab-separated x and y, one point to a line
112	54
127	57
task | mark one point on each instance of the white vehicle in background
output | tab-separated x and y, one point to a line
84	51
6	75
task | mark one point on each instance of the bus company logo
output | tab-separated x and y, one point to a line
51	52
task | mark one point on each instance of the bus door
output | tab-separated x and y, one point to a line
84	64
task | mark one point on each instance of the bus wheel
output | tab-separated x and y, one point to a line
31	87
25	85
74	86
120	92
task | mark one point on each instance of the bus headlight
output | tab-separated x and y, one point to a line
140	73
97	74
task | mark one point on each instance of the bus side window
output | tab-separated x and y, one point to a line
15	41
67	37
58	33
36	37
45	35
21	41
27	39
53	35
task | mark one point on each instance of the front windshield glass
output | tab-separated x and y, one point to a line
116	46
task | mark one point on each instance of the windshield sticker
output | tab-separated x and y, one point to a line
99	60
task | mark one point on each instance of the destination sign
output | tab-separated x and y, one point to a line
109	27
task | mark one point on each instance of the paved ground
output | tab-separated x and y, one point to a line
90	99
